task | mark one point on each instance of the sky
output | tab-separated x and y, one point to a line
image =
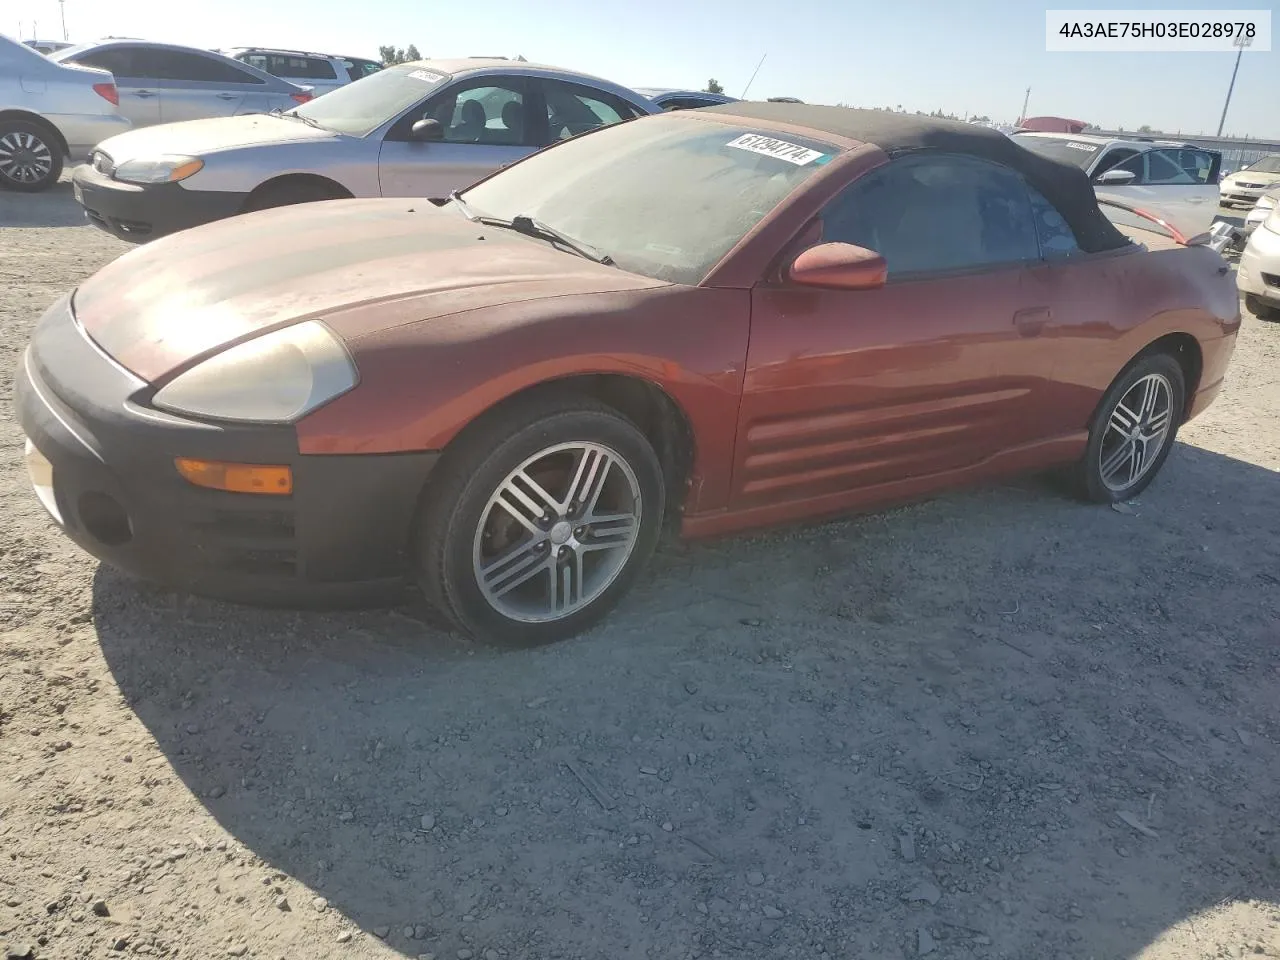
965	57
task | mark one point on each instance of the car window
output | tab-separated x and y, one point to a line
487	111
1137	165
1113	158
158	64
361	68
928	214
116	59
358	109
1265	165
1057	239
666	197
573	109
306	68
1163	168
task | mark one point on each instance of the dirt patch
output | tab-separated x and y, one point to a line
998	724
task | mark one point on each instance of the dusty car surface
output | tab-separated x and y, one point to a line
721	319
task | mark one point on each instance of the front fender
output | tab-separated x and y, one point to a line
422	383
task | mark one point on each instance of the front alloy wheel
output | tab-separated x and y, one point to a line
557	532
539	519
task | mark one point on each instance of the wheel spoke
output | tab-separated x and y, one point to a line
542	502
1137	460
1117	459
516	566
610	531
588	481
519	507
1157	424
1123	419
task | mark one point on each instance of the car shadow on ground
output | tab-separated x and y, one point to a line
55	207
1069	710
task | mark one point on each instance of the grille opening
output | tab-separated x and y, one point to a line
105	519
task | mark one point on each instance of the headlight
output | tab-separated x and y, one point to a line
158	169
275	378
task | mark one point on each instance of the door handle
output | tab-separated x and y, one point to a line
228	96
143	93
1031	322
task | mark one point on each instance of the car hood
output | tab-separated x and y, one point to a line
200	137
1251	177
360	265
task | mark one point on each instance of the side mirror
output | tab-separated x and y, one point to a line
1115	177
839	266
427	129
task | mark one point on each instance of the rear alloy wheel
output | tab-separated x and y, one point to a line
1133	430
30	159
541	522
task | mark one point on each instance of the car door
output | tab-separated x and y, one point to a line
573	108
1177	184
137	87
938	370
487	123
195	86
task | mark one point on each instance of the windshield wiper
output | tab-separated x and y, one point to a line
536	228
532	228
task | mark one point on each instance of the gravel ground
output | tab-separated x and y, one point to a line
997	724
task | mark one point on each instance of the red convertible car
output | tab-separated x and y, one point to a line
714	319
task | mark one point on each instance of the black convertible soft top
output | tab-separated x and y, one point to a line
1064	185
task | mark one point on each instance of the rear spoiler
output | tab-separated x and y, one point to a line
1216	238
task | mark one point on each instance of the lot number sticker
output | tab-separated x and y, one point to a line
779	149
430	76
1086	147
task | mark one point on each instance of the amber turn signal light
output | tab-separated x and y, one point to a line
236	477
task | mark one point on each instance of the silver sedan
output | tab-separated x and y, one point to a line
419	129
48	113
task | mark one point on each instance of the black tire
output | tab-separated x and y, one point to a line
289	193
1088	475
1263	311
38	145
458	499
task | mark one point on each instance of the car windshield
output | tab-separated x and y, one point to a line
363	106
664	196
1079	153
1265	165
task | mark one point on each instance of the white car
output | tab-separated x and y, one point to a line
1175	181
1247	185
1258	276
320	71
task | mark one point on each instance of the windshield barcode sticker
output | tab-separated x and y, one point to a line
430	76
1086	147
778	149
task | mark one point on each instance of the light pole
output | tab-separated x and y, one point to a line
1240	42
1025	101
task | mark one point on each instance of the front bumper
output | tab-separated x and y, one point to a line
344	534
1259	270
1238	194
141	212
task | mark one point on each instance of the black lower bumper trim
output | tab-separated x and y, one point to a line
141	212
345	533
